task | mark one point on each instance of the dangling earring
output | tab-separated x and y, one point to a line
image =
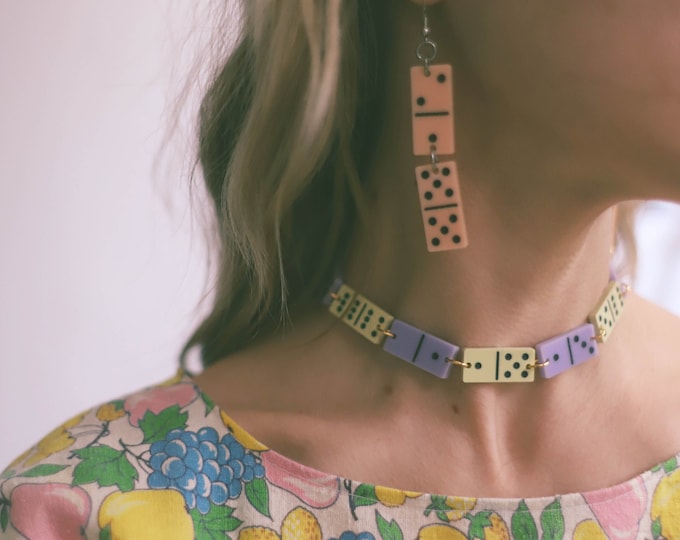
433	136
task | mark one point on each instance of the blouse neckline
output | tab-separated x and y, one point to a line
321	478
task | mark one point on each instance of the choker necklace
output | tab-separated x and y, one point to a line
480	365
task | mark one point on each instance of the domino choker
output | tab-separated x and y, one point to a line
480	365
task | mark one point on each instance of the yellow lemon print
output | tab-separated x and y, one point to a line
73	422
258	533
242	436
174	380
130	515
110	412
666	505
55	441
589	530
498	529
394	497
440	532
459	507
300	524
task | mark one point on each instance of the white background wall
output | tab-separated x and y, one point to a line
99	273
98	277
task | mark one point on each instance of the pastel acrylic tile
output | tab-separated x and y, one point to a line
608	310
367	319
498	364
420	348
432	110
441	206
341	300
567	350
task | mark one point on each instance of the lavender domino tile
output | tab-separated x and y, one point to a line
567	350
421	349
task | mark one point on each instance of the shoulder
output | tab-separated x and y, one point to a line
101	470
163	462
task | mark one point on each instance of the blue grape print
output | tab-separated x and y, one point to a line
204	468
349	535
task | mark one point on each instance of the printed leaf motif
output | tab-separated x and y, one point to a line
439	506
4	517
552	521
441	516
42	470
157	426
209	403
257	493
364	495
388	530
478	523
104	466
670	465
656	528
7	474
523	524
105	533
215	524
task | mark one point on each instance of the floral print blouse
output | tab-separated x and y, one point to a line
165	463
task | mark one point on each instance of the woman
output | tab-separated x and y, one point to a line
562	113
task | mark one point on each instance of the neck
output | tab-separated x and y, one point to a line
537	217
510	287
540	230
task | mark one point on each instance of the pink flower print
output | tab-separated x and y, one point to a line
314	488
158	399
50	511
620	508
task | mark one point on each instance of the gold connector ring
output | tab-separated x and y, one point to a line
600	335
538	364
388	333
459	363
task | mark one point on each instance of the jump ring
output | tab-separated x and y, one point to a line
600	335
421	53
459	363
538	364
433	158
625	289
388	333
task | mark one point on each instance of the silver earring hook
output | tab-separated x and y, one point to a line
426	51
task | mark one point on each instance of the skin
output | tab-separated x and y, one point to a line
563	110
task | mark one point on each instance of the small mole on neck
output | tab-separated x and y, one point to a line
454	408
388	390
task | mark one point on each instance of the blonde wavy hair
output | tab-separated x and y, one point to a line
283	132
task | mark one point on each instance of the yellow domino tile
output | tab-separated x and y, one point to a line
499	364
342	300
608	310
367	319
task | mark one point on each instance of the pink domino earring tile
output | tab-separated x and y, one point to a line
433	136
